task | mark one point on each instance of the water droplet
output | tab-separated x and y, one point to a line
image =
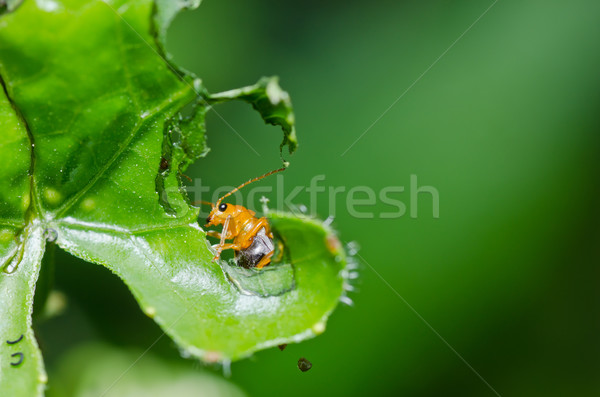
197	85
50	235
351	264
226	368
11	266
13	262
150	311
319	327
352	247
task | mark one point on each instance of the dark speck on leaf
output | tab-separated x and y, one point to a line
304	365
283	346
164	164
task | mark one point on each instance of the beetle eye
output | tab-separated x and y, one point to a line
222	207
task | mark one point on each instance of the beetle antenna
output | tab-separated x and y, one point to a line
249	182
203	202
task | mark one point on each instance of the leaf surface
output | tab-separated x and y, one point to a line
21	249
21	367
78	376
111	129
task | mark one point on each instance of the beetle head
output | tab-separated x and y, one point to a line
220	211
218	214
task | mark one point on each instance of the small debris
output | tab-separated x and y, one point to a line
211	356
164	164
333	244
282	346
304	365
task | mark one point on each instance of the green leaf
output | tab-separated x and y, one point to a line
99	369
9	5
14	174
171	275
21	250
273	104
21	366
184	136
113	126
166	10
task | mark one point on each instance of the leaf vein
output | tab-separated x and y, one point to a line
71	201
125	231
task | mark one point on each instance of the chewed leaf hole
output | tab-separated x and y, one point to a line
275	279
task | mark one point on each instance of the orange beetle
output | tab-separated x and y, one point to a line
252	237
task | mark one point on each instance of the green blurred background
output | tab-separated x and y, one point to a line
505	126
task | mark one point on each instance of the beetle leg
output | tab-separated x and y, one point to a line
225	230
265	260
230	247
220	247
223	247
213	233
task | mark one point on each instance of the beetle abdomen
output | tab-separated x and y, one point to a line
261	246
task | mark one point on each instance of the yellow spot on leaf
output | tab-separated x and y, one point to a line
6	235
88	204
52	196
25	202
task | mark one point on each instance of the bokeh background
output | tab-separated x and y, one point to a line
505	125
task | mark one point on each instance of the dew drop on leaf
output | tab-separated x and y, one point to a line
12	262
50	235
